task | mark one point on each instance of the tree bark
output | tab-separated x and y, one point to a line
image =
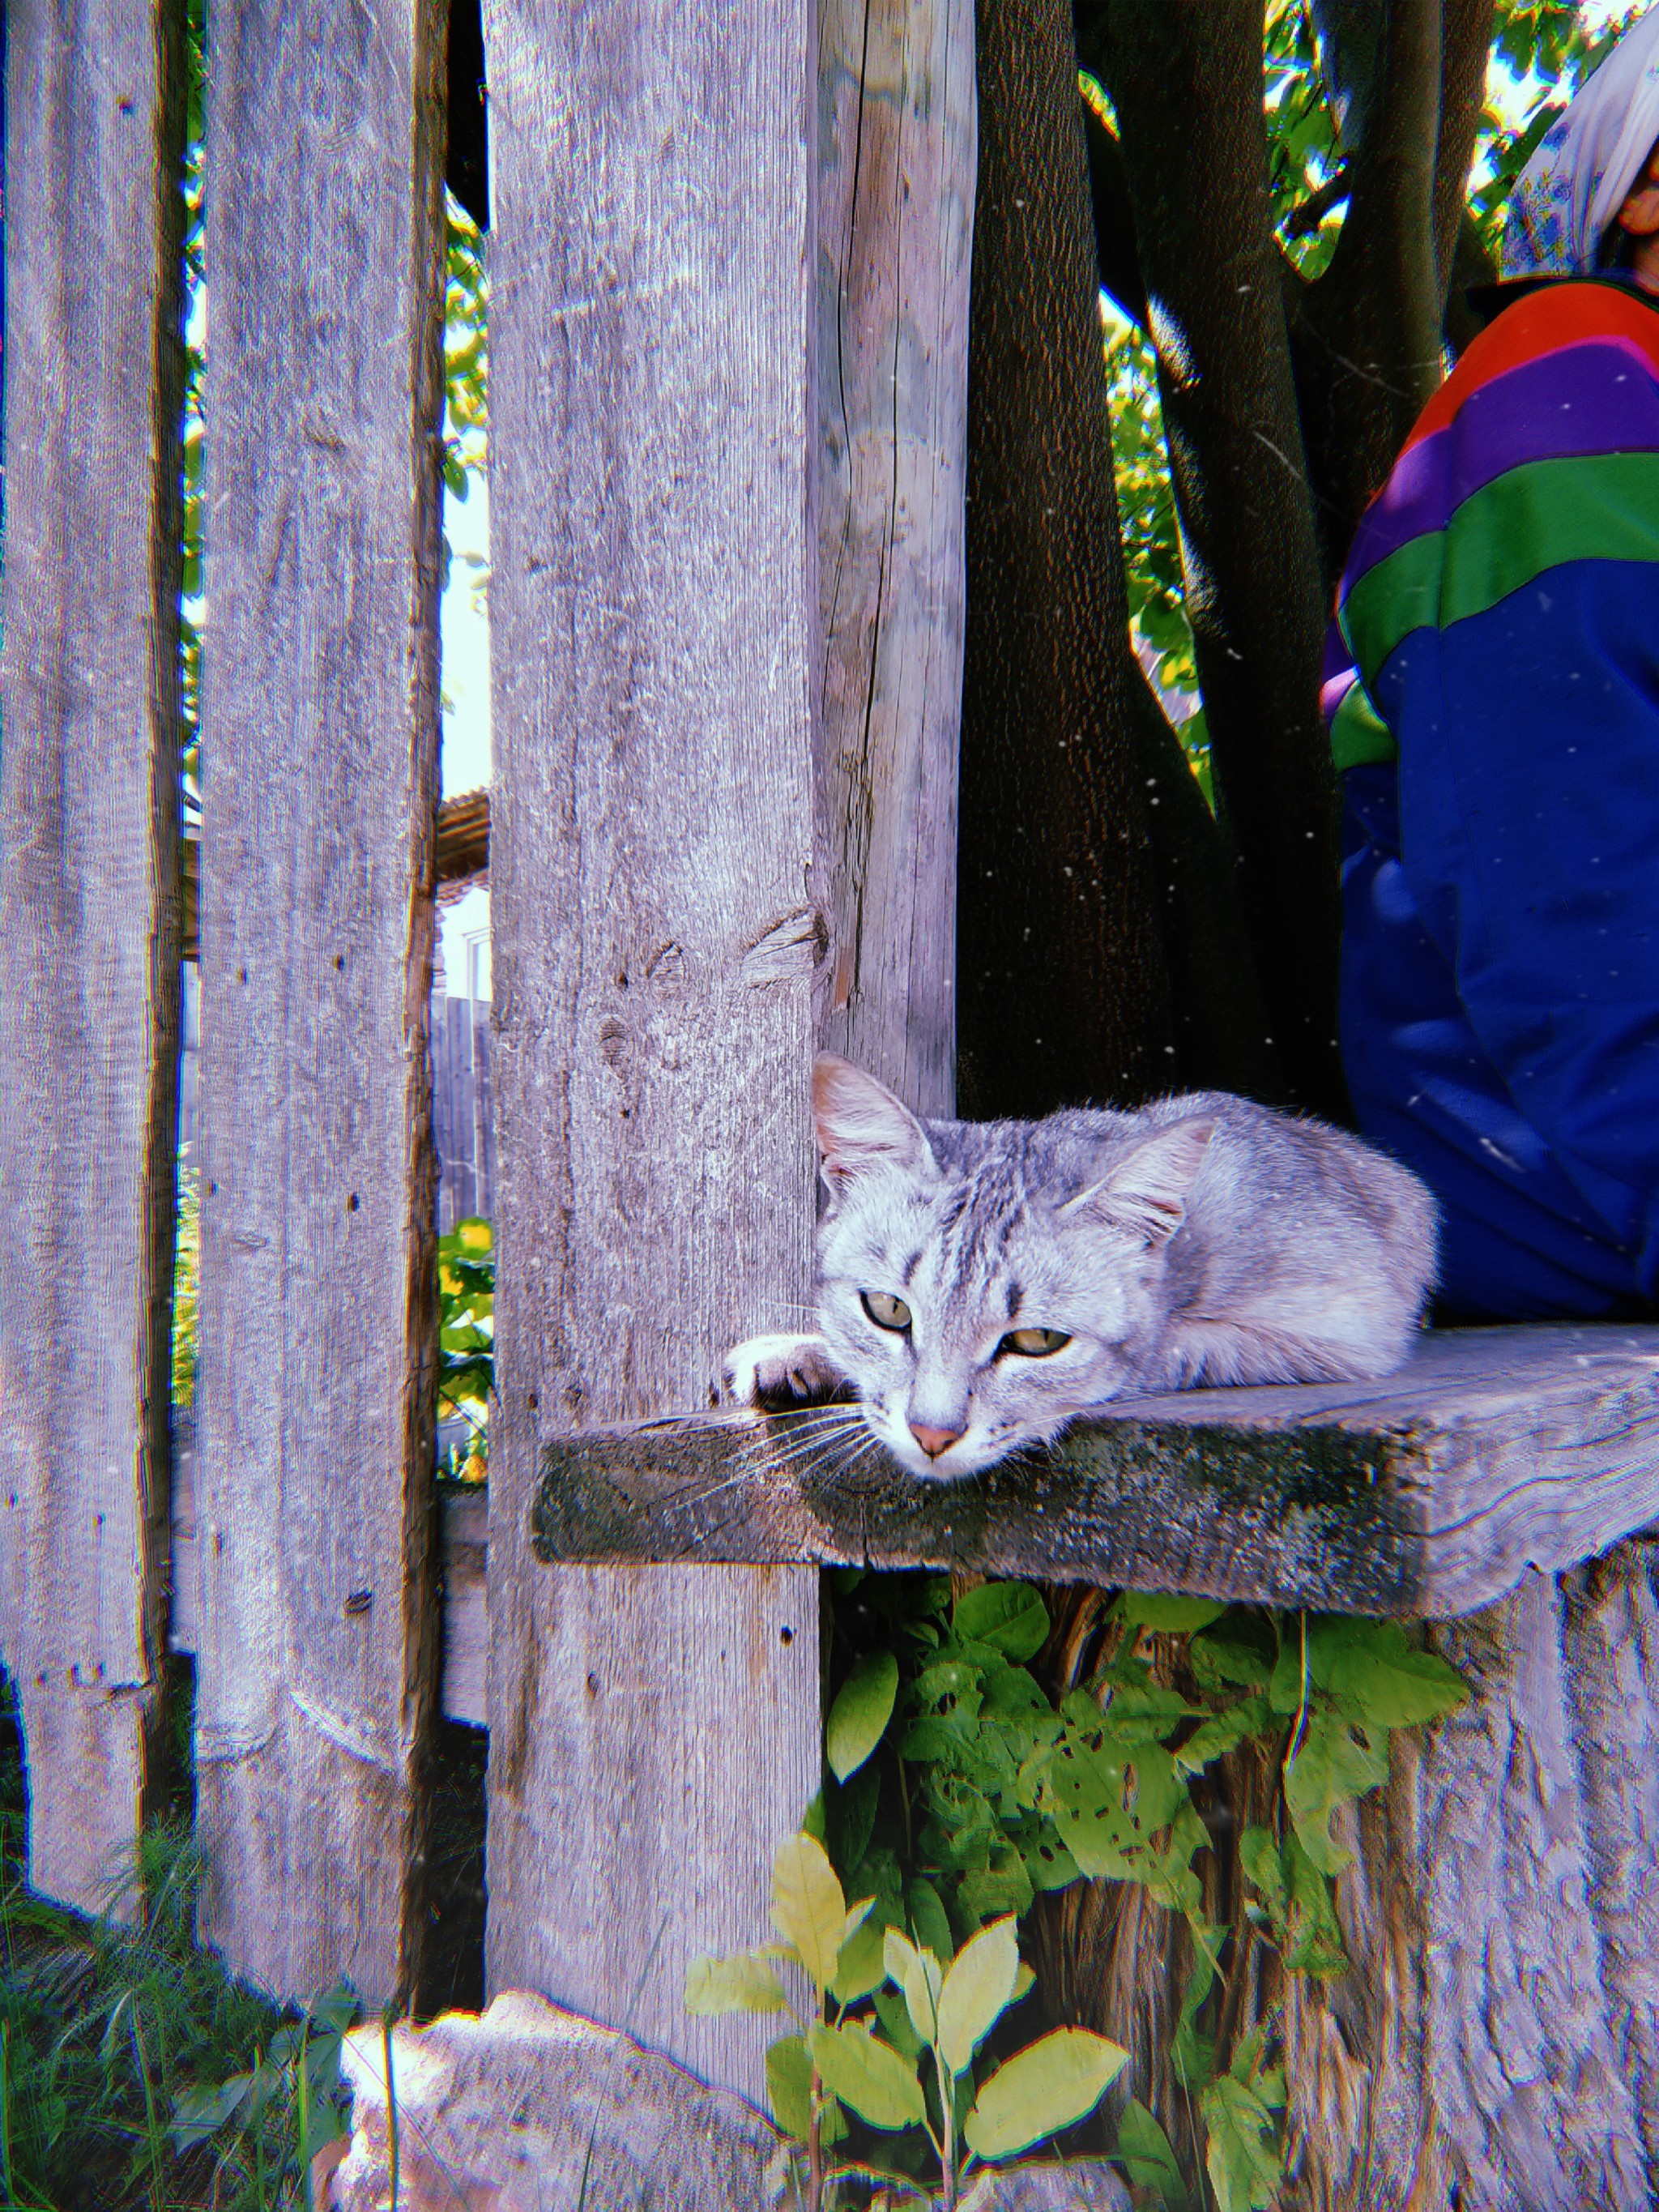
1063	991
1100	951
1187	82
1367	338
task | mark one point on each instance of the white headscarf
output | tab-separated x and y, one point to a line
1566	198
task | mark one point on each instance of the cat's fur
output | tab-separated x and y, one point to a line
1202	1240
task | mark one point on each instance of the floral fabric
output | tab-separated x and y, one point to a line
1566	199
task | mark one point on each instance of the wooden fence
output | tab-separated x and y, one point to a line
727	448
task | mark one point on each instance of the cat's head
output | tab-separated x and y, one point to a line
978	1289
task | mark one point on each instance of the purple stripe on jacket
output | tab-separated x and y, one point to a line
1571	402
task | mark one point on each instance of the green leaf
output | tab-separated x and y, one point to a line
857	1719
1297	1898
743	1983
978	1988
1193	2053
868	2074
1223	1732
1047	2087
1238	1651
203	2109
1147	1609
894	2014
789	2086
1149	2163
1333	1765
808	1908
1377	1676
862	1966
1011	1617
919	1974
929	1923
1005	1886
1243	2159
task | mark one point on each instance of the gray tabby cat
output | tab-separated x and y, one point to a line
981	1283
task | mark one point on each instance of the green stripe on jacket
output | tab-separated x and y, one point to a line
1602	507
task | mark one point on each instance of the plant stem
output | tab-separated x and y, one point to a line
814	2150
947	2112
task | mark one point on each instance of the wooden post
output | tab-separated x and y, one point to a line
1497	2043
653	1734
896	153
94	107
317	1673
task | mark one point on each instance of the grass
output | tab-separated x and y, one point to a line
135	2075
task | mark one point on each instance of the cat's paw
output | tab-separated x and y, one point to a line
776	1373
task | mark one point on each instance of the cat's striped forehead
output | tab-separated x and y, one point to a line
957	1230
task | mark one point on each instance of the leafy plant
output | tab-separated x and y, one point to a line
908	2062
466	1339
960	1788
125	2080
186	1286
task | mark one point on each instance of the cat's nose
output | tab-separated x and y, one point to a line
933	1441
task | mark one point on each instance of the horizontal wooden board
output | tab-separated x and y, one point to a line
1429	1494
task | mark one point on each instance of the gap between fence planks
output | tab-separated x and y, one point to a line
316	1682
94	120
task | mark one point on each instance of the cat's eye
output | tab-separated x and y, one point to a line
886	1311
1034	1343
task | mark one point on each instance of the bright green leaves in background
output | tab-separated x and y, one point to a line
907	2064
466	1340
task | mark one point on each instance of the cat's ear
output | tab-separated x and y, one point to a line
861	1126
1146	1191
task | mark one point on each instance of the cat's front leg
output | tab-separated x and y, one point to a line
776	1373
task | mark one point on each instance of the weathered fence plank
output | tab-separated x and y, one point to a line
653	605
89	910
896	161
317	1677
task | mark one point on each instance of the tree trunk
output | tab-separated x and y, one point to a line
1187	82
1099	954
1367	337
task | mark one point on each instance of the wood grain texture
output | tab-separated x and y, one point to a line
1429	1494
1495	2044
898	152
317	1673
89	915
653	602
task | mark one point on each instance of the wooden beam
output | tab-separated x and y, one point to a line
897	149
317	1679
1430	1493
89	694
652	1734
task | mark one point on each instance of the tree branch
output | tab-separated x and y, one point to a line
1186	81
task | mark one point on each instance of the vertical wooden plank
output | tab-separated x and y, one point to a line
317	1679
654	1733
897	155
89	915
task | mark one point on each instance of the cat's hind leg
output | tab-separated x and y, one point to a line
1207	1354
778	1372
